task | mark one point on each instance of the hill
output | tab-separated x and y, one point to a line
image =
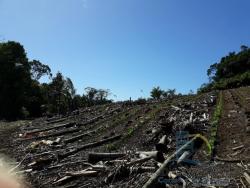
124	144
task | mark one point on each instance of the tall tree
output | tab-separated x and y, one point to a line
156	93
14	79
38	70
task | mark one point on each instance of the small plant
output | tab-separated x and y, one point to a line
130	131
111	147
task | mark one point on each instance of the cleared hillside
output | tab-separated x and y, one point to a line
124	144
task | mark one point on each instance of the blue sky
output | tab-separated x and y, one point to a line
128	46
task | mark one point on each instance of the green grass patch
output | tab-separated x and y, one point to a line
215	121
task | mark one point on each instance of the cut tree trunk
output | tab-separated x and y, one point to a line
162	144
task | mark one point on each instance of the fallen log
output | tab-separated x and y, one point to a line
184	156
96	157
90	145
156	155
70	140
59	133
66	125
151	182
56	120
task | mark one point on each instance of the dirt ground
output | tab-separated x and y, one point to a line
48	155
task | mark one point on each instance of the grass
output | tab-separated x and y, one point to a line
215	122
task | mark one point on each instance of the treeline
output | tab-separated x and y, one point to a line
22	95
232	71
158	93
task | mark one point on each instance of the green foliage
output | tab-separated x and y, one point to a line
38	70
216	120
14	79
95	96
130	131
21	94
156	93
111	147
232	71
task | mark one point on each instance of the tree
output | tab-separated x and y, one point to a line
233	70
102	94
91	94
38	70
14	79
156	93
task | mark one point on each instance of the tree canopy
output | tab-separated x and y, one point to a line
22	95
233	70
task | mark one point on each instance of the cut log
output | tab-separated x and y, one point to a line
162	144
151	182
184	157
96	157
156	155
90	145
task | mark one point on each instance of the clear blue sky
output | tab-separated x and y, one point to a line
128	45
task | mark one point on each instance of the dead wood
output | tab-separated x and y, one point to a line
184	156
96	157
56	120
156	155
150	183
82	173
65	164
238	147
231	160
59	133
162	144
90	145
70	140
66	125
138	161
247	177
